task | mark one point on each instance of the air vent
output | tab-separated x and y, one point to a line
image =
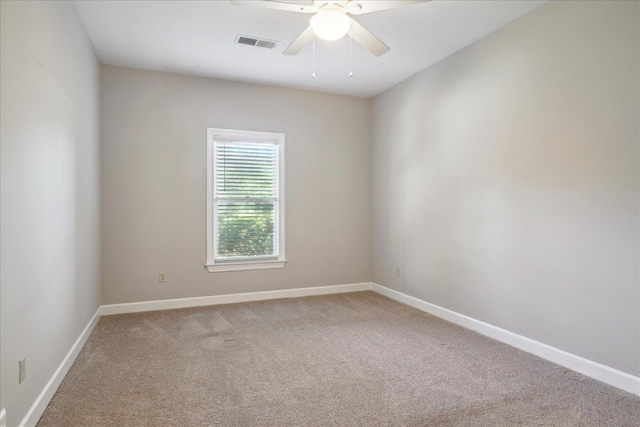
254	41
266	43
247	40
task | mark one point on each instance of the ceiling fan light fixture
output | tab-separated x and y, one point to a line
330	24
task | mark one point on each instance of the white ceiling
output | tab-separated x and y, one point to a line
197	37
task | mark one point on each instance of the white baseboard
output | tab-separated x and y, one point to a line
598	371
40	404
136	307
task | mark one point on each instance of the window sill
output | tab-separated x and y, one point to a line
241	266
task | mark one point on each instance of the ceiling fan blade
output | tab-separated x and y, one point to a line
320	3
299	43
278	5
363	6
366	39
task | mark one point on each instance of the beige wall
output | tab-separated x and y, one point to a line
506	181
49	193
154	128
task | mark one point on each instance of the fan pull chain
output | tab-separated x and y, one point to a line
350	57
313	45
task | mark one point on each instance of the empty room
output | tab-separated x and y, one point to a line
319	213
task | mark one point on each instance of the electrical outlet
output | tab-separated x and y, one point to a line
22	369
3	418
398	271
162	277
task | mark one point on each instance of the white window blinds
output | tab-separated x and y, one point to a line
246	200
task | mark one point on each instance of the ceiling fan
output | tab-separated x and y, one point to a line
332	20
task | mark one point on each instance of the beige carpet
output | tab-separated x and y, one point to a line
341	360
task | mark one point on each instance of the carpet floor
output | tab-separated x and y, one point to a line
355	359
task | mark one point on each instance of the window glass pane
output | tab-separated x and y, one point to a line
246	228
246	169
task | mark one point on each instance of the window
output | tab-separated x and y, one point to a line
245	200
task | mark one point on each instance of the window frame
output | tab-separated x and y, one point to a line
244	263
